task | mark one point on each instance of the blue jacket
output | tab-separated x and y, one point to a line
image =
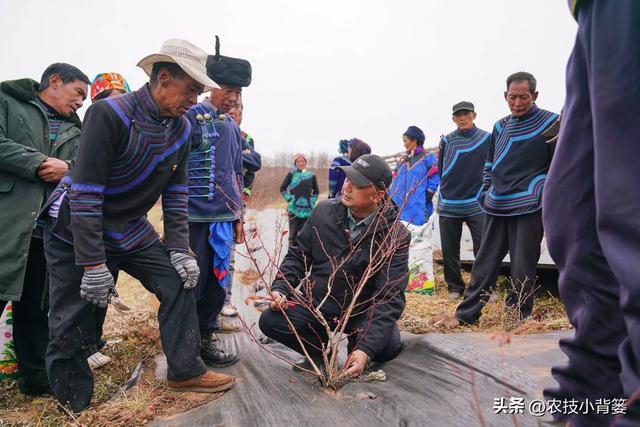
413	187
215	166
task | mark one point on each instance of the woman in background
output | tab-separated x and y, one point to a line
416	180
300	190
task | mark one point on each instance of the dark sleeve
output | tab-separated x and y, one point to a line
284	186
294	265
101	133
441	148
388	300
175	197
488	163
239	160
333	178
251	161
315	191
16	158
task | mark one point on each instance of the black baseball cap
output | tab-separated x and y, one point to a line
369	169
463	106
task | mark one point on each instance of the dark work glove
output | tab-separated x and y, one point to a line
96	286
187	268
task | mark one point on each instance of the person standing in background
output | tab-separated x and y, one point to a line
300	190
461	157
416	179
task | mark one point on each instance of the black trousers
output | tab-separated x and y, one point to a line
450	235
274	325
210	296
295	225
30	323
520	236
72	320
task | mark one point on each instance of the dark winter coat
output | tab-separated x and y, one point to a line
325	242
24	145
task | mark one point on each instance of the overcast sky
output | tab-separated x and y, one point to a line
322	70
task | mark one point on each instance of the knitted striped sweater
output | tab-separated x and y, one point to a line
129	156
518	159
461	162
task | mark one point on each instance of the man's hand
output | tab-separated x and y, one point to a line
355	363
238	231
96	285
279	302
52	169
187	268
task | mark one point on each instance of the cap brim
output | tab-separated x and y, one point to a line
192	68
463	109
354	176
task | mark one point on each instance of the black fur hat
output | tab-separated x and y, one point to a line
228	71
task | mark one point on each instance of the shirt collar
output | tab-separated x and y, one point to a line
534	109
362	221
207	103
467	133
148	103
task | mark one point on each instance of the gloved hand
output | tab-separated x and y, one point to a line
187	268
96	285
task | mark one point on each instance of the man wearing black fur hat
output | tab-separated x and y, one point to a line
215	201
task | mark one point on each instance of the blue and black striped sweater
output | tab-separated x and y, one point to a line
129	156
460	163
517	163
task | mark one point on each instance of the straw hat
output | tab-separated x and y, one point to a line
188	56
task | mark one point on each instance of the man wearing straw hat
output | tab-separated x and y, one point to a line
134	149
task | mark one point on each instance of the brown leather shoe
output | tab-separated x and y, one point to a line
209	382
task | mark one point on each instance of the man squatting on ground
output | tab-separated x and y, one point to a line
133	149
215	195
461	159
39	137
342	230
518	158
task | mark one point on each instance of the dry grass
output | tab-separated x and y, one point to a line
435	313
136	339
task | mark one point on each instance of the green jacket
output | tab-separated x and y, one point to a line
24	145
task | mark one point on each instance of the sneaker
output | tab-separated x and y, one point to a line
228	311
227	327
209	382
97	360
454	296
213	356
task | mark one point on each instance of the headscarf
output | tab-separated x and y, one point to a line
108	81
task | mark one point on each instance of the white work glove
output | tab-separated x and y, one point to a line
187	268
